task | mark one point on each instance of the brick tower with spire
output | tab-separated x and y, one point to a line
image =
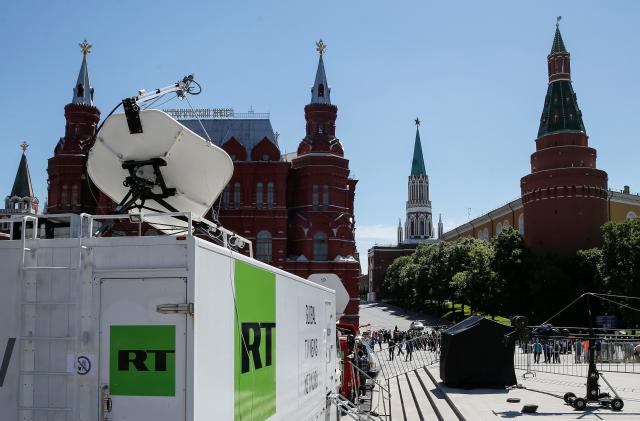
321	231
418	225
564	197
70	189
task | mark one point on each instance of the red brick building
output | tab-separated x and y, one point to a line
297	210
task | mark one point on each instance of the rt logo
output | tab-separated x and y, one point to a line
137	359
251	344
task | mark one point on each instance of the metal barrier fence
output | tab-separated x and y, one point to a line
568	355
407	356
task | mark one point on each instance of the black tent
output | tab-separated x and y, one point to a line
473	354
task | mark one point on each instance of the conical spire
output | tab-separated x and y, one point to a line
558	44
83	92
417	164
320	93
22	184
560	111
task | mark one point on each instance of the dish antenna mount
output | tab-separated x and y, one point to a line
146	161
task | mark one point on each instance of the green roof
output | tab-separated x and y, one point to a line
417	164
558	44
22	184
560	111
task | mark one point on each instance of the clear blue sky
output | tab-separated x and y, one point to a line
474	72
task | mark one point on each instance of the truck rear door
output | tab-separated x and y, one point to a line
142	350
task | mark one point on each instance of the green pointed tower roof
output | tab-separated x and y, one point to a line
22	184
560	111
417	164
558	44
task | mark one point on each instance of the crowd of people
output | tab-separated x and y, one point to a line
404	342
550	349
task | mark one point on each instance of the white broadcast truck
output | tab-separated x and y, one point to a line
166	327
159	328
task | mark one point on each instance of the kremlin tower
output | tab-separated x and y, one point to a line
70	190
321	233
564	198
418	225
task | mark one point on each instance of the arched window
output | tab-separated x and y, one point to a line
485	233
421	226
263	246
225	197
236	195
259	198
314	196
270	195
320	90
412	229
74	195
521	224
80	90
64	196
631	215
499	228
320	246
325	196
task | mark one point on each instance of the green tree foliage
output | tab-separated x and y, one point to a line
394	280
502	277
511	265
621	257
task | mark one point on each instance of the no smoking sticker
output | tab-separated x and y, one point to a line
81	364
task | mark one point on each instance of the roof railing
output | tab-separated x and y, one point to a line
86	226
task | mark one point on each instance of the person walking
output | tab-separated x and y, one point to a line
409	346
537	350
578	347
392	350
400	345
556	352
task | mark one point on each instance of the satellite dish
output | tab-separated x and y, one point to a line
179	170
332	281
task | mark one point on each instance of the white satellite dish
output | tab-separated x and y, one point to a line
160	156
332	281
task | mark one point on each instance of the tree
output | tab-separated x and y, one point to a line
511	265
621	257
477	283
394	282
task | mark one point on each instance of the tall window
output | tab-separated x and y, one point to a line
64	196
325	196
321	90
259	199
74	195
421	227
314	196
236	195
263	246
521	224
225	197
270	195
320	246
412	230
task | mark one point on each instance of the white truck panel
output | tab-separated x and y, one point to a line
261	344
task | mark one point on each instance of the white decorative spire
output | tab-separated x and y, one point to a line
83	92
440	227
320	93
399	231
